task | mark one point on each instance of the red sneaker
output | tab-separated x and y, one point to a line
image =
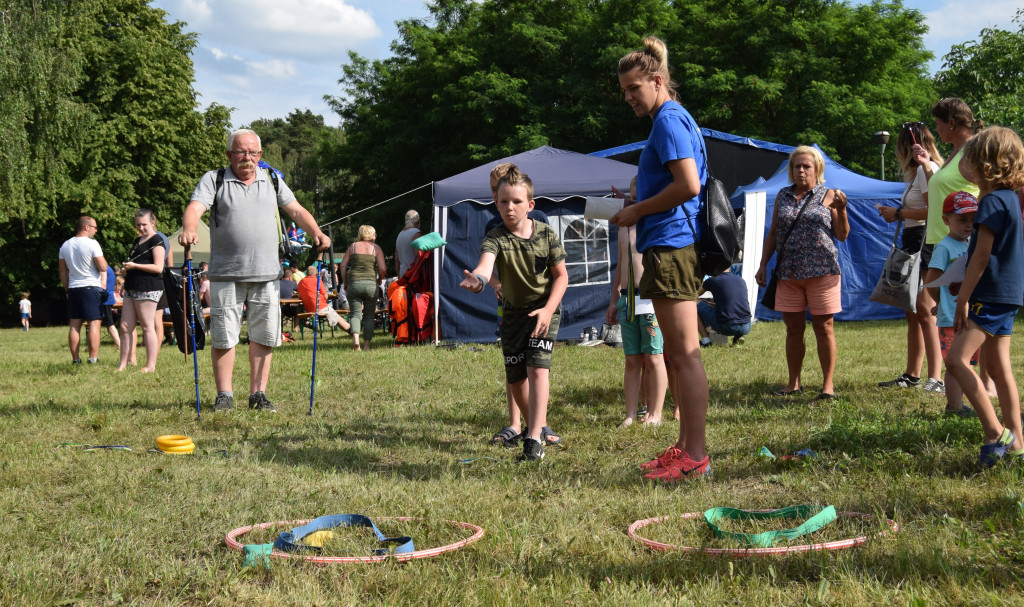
668	455
681	469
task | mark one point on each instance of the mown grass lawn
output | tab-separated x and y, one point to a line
389	430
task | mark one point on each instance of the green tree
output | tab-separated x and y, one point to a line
988	74
100	118
482	80
292	145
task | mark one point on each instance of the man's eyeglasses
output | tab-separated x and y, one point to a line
244	154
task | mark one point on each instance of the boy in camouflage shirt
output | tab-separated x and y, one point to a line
531	262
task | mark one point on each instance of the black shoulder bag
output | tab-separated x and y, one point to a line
719	243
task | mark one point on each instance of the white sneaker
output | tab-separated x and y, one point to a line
934	386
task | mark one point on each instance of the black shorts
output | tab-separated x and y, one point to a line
86	303
519	349
911	240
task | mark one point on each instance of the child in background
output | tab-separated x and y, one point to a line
993	288
531	262
958	211
642	342
25	306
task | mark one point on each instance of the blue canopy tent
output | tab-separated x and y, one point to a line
863	253
562	180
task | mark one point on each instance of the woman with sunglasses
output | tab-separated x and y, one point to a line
922	335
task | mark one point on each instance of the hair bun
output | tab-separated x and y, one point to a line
655	46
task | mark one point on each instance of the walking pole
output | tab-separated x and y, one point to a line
189	292
316	331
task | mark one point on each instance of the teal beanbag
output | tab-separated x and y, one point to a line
428	242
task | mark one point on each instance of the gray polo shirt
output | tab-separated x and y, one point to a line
244	238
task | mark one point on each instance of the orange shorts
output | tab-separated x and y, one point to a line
820	295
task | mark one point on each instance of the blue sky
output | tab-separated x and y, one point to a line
267	58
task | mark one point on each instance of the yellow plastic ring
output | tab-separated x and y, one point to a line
172	440
175	444
189	448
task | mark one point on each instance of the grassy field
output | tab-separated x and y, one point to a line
390	429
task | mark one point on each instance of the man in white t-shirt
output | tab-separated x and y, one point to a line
83	272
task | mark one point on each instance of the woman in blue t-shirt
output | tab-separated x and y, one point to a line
671	173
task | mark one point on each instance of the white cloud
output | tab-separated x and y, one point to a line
312	30
964	19
275	68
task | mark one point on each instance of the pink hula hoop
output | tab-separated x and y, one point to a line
478	532
892	529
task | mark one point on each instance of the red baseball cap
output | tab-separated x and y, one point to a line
959	203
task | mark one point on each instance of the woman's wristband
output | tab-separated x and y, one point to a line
482	282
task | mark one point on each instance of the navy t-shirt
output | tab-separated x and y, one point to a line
1003	279
730	293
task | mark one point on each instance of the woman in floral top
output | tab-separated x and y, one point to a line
809	276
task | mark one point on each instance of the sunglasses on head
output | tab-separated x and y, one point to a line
910	127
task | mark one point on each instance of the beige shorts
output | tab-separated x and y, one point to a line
262	305
819	295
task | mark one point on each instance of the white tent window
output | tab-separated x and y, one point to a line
586	249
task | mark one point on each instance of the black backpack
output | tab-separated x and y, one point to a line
719	244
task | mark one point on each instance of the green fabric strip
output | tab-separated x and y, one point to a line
819	518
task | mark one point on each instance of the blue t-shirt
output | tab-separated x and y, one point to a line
730	293
674	136
1003	278
111	281
946	251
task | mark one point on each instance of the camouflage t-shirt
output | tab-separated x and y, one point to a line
524	265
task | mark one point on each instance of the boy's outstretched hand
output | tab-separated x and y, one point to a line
543	322
472	283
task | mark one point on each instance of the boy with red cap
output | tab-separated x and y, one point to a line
958	211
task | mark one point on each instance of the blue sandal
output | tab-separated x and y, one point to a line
549	437
506	436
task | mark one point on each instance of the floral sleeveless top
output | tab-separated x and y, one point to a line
810	250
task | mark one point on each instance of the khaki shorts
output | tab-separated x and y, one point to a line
671	274
262	301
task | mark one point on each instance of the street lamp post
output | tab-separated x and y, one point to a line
881	138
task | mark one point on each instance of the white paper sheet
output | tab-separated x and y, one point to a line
953	274
602	208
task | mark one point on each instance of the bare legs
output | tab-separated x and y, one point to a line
678	320
143	312
259	367
92	339
923	339
514	411
995	352
795	348
534	390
